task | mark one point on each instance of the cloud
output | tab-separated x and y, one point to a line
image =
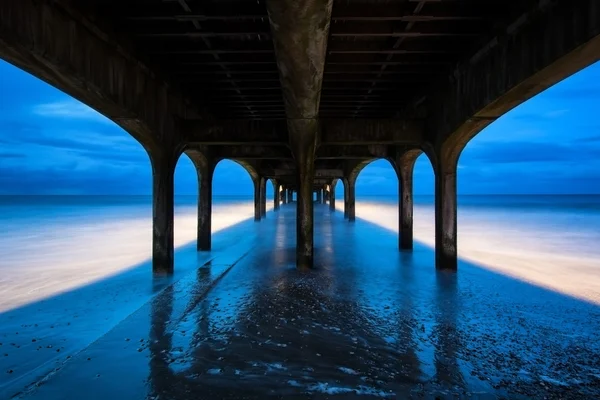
69	109
541	116
528	152
11	155
574	93
590	139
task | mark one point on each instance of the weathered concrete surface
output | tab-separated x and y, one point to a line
332	195
263	197
405	164
350	199
205	209
276	194
446	234
300	31
163	208
334	132
303	144
257	211
265	330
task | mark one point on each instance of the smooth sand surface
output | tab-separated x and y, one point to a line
547	259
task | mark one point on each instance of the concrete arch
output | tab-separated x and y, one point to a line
358	167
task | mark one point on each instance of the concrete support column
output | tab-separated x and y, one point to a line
205	176
276	195
332	197
263	197
446	255
284	196
290	196
257	214
351	200
345	198
303	143
405	165
163	169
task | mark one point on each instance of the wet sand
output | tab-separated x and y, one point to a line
368	321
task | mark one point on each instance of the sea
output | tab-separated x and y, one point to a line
51	244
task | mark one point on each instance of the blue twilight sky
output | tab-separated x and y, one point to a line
52	144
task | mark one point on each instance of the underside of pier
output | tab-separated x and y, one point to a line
302	92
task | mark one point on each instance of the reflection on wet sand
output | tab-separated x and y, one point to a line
368	321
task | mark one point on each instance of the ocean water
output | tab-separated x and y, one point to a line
50	244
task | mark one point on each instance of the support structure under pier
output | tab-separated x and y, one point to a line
405	164
257	213
276	195
263	197
300	29
332	195
350	198
446	249
205	176
163	191
303	144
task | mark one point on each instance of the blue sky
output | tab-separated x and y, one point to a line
52	144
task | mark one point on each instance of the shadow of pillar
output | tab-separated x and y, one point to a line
161	377
447	337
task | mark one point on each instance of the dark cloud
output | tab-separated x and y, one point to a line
53	181
591	139
11	155
574	93
527	152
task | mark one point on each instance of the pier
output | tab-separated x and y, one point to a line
301	92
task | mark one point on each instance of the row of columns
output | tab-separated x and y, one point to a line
163	209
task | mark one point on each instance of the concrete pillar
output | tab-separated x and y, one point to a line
446	256
205	176
290	195
163	169
332	197
405	165
276	195
283	195
303	143
319	196
351	200
345	198
263	197
257	214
